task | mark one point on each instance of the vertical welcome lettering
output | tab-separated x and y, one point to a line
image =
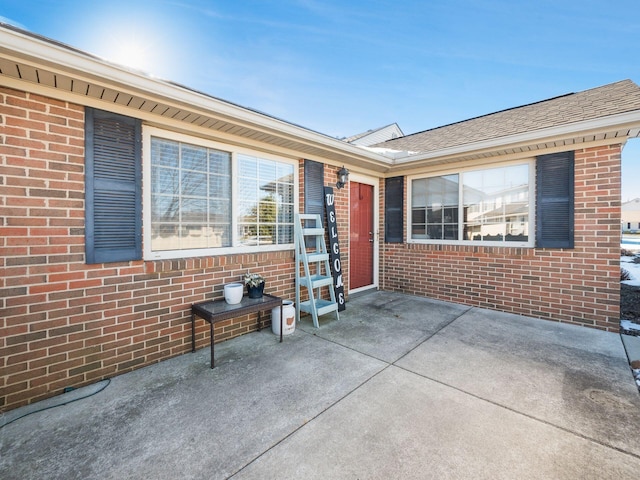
334	247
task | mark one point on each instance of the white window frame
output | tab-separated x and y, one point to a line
530	243
148	254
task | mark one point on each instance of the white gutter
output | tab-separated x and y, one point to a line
632	119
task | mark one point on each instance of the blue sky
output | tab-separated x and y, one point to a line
341	67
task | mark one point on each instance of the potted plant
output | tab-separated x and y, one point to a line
255	284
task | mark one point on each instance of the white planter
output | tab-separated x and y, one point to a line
288	318
233	293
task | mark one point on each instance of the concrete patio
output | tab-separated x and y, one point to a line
400	387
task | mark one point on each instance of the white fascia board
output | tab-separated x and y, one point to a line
69	59
632	119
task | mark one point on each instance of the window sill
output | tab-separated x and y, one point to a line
214	252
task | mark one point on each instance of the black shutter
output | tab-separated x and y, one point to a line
313	191
393	209
313	187
113	211
554	200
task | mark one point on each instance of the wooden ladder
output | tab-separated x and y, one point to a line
313	263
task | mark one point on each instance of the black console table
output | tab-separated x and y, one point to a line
215	311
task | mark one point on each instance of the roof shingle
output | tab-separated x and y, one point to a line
612	99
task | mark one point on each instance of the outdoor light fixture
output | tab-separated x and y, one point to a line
343	177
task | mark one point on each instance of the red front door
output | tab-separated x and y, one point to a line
361	235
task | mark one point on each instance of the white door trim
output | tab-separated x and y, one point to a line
375	182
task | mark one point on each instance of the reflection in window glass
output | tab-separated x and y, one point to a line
267	172
194	158
496	204
434	208
285	190
190	200
489	205
266	202
165	153
193	183
248	166
195	205
248	189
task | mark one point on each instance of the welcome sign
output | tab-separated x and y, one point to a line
334	247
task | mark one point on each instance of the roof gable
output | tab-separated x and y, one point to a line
371	137
631	205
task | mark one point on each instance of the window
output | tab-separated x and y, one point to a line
489	206
209	199
434	208
190	196
265	201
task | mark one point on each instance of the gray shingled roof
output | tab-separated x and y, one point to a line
612	99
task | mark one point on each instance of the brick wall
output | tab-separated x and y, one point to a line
579	286
62	322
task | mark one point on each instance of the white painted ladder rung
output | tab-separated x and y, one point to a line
316	281
322	307
319	259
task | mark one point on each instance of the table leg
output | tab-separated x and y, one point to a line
259	319
211	329
193	332
281	316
